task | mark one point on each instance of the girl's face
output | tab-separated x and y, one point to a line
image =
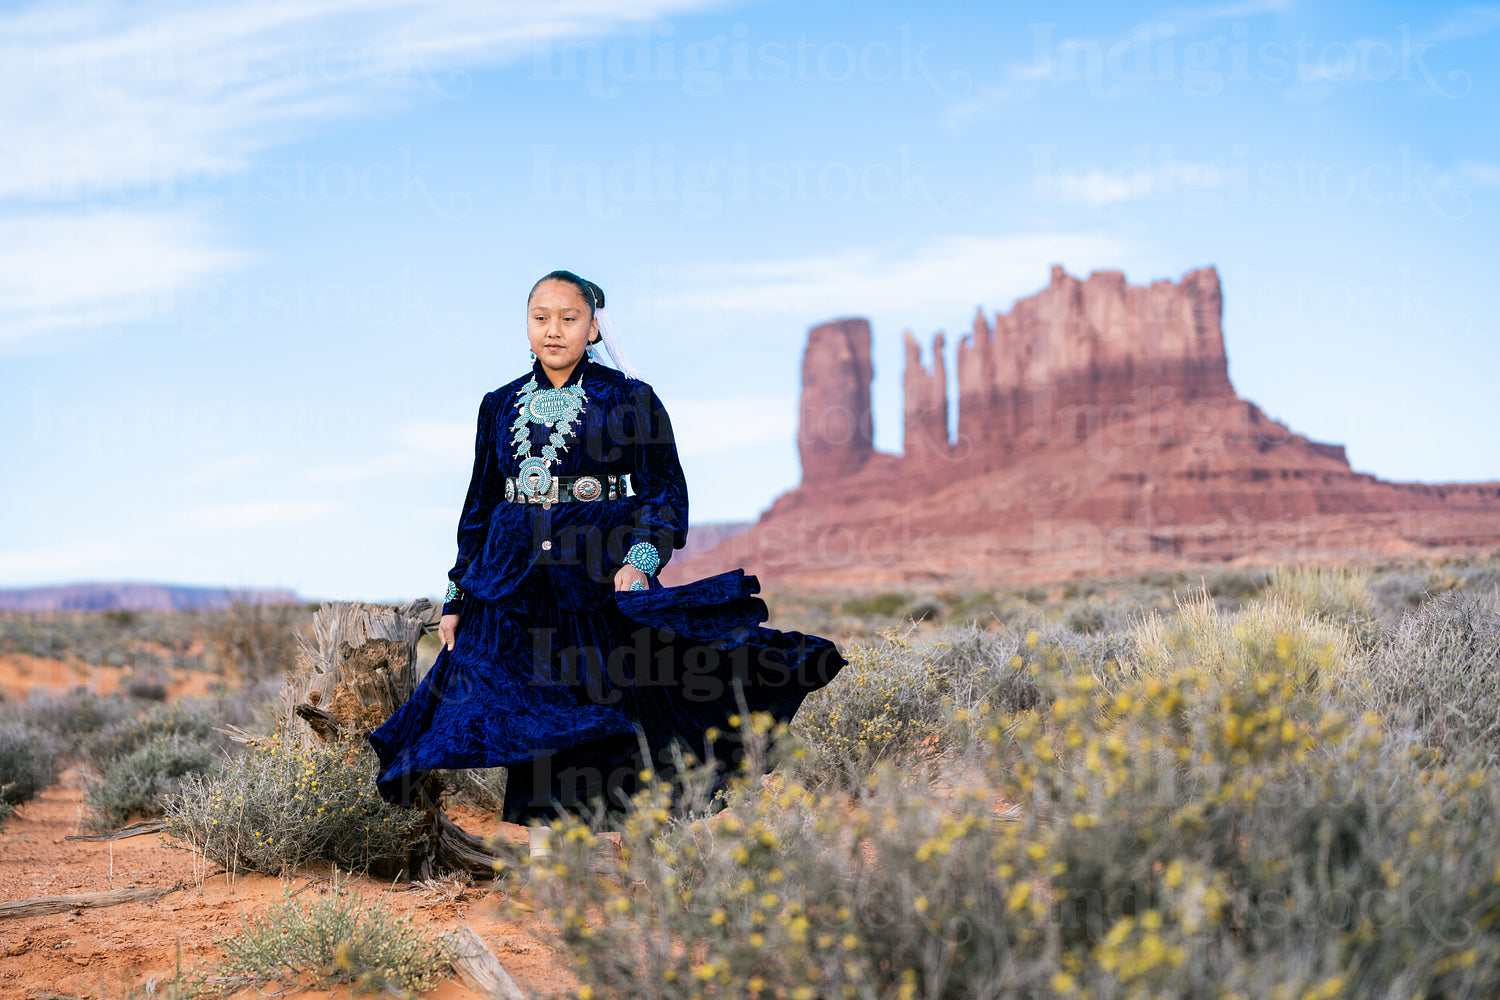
559	326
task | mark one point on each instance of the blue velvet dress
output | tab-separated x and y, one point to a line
572	686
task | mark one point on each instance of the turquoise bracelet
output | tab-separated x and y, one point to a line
644	557
454	593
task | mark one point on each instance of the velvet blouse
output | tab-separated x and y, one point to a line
623	428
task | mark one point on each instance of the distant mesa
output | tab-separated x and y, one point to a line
1098	432
133	597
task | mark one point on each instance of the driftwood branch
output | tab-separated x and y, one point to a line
477	966
139	829
40	906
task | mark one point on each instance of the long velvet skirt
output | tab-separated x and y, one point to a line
565	700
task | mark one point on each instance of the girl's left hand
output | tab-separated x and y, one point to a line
628	574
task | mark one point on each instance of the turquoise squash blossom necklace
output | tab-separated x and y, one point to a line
558	408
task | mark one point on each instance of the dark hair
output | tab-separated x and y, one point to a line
592	293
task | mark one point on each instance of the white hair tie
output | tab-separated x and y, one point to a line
612	344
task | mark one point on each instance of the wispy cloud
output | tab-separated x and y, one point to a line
1154	54
1468	22
95	269
1107	67
109	106
895	279
114	96
1097	188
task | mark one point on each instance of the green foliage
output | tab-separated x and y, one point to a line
336	938
280	805
28	761
137	783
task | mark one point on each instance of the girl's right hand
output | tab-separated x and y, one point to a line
447	628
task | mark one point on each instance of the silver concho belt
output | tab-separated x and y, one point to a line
569	489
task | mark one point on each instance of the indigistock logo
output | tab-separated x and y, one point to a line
1204	66
705	187
1205	188
398	178
654	54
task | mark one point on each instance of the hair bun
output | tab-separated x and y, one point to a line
598	294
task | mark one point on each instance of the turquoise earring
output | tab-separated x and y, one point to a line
533	355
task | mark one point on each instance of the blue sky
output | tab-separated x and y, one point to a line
260	261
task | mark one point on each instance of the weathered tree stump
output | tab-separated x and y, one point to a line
358	668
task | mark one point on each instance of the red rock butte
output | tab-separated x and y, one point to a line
1098	433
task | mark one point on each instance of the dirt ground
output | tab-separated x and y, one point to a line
110	953
106	953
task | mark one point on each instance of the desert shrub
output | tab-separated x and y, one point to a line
1238	585
138	782
254	640
6	809
883	704
337	938
280	805
975	668
1087	618
127	736
886	605
1485	579
71	716
1398	592
28	761
977	603
1034	595
1323	590
146	690
926	608
890	702
1262	633
1193	834
1438	671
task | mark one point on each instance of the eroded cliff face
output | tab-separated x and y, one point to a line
1097	432
925	441
835	430
1082	353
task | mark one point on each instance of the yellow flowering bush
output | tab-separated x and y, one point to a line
1234	830
893	700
